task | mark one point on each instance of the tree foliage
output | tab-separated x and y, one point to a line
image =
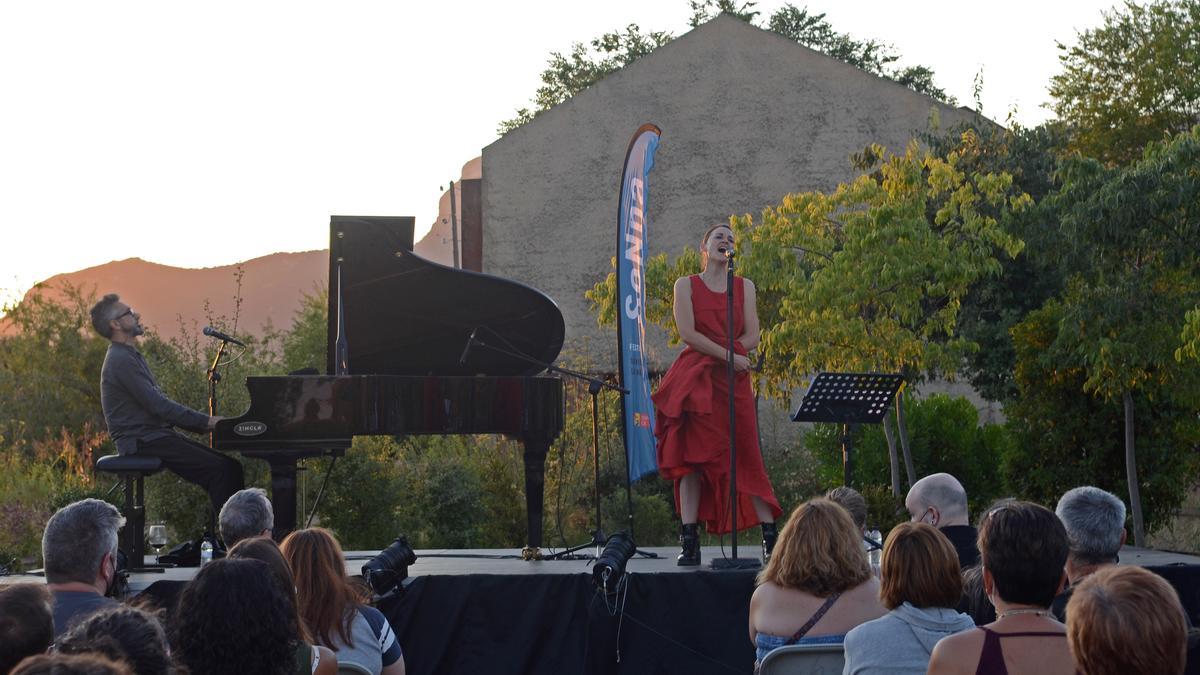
568	74
586	64
1132	80
815	32
1063	438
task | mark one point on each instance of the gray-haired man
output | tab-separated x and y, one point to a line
140	417
1095	524
246	514
940	500
79	552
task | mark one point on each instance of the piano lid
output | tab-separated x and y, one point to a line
404	315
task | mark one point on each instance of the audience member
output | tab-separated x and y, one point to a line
71	664
79	552
941	501
854	503
247	513
124	634
1126	620
233	618
817	585
335	609
1023	548
309	658
921	584
26	623
1095	523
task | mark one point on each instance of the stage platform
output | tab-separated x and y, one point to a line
475	611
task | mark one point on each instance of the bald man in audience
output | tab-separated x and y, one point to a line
941	501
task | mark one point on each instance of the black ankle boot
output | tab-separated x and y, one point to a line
769	535
689	541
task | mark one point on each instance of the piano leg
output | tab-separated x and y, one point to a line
283	497
535	483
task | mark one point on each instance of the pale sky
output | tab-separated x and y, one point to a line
203	134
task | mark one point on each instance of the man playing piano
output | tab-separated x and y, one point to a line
141	418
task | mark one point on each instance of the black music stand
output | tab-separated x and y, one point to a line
846	399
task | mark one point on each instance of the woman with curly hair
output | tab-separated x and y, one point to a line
122	633
817	585
334	609
310	659
234	618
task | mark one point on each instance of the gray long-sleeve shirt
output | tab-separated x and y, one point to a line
134	407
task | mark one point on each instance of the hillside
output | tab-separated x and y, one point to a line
169	298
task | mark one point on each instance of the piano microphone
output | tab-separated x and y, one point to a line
462	360
211	332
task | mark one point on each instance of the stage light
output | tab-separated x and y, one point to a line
384	572
610	566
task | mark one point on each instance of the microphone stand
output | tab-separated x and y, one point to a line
214	376
732	562
595	385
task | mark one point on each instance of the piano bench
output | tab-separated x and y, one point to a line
132	470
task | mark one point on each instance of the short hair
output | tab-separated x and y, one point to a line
26	623
1125	619
920	567
71	664
1094	520
102	314
819	551
233	617
76	539
945	492
1024	547
246	514
851	500
121	633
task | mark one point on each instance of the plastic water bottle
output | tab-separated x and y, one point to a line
875	554
206	549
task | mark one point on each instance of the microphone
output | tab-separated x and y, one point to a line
462	360
211	332
727	252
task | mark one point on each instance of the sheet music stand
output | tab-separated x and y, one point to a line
848	398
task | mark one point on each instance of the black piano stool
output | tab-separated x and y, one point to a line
132	470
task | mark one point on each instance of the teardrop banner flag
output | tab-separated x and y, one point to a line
637	411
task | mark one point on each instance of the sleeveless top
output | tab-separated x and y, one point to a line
991	658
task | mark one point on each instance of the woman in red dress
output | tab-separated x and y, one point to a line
692	409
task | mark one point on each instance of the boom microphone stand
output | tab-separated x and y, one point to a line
594	387
733	562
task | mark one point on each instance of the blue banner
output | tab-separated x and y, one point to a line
632	225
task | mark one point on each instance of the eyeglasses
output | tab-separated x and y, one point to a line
127	312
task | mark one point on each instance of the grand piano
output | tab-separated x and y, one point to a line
413	348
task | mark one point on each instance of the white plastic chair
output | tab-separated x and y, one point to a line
804	660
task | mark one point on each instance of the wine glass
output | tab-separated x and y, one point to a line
157	536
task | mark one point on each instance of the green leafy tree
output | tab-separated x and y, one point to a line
815	32
1063	437
996	303
568	74
1121	319
1132	80
705	10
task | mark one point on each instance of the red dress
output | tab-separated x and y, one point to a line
692	419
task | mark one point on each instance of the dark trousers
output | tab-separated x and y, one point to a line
220	475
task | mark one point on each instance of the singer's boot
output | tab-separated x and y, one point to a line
689	541
769	535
